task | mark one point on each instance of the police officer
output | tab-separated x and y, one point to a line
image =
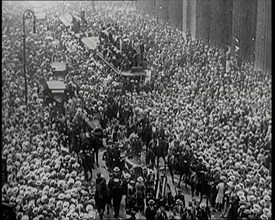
126	186
116	190
116	173
150	210
203	212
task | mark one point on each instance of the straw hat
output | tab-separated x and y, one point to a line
89	208
151	202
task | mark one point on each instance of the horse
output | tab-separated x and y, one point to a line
200	182
157	149
102	198
150	157
113	158
96	143
179	164
87	158
161	151
136	148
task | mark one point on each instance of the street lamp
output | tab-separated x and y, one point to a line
26	15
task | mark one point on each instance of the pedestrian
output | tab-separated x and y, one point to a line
116	191
203	212
219	199
140	194
161	213
181	197
178	209
150	210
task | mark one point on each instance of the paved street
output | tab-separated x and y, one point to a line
186	192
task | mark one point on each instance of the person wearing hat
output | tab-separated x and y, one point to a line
203	212
181	197
131	197
150	210
102	196
189	212
116	192
96	143
220	195
116	173
232	212
178	209
140	194
126	181
161	213
87	155
150	181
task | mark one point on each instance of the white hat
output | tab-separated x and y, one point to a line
267	198
25	217
116	169
61	196
202	205
263	217
66	204
127	175
116	180
89	208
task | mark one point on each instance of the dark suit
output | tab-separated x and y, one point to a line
150	213
116	189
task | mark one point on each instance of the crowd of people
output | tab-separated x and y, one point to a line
195	95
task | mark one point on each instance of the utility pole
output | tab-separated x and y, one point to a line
27	14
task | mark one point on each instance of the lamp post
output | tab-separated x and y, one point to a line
27	14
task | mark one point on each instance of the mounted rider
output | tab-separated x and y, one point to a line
86	155
112	155
174	147
136	145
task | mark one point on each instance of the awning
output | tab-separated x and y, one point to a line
58	66
129	74
91	42
66	20
56	85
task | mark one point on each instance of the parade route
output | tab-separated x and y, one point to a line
103	170
138	76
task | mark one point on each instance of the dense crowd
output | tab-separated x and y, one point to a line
224	111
